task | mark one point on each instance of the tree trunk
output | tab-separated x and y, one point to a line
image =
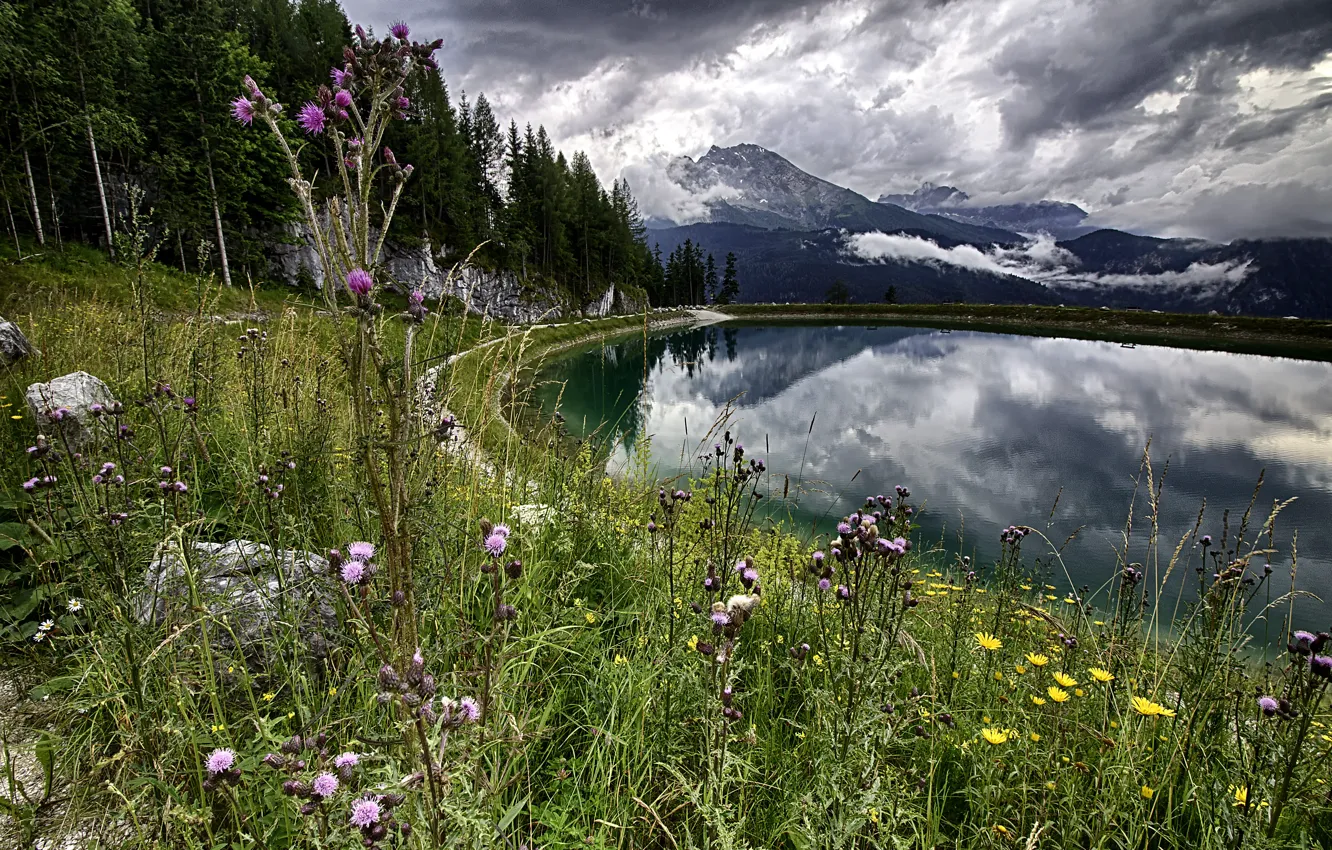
101	189
32	197
212	186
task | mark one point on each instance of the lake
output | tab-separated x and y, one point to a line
986	430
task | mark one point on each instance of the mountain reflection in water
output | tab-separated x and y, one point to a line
986	429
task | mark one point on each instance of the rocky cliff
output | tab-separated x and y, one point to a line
502	295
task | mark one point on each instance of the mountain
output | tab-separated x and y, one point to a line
750	185
1059	219
1271	277
792	266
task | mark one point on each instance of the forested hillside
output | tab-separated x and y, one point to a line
106	96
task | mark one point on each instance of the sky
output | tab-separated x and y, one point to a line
1207	118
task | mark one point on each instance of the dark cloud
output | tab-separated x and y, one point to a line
1154	112
1109	58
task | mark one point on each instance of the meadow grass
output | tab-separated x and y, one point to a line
645	689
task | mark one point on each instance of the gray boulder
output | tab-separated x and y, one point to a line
14	346
263	595
64	404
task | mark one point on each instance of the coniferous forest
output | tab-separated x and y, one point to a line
104	97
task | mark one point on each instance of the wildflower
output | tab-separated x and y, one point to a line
361	551
1037	660
1147	792
469	710
269	696
988	642
692	643
353	572
1001	829
1268	705
1065	680
47	625
347	760
1057	694
220	761
324	785
339	76
995	736
242	109
1035	700
311	118
1321	666
1035	738
1019	669
399	30
1147	708
1241	793
1101	675
364	813
824	584
1079	692
590	617
495	544
416	305
39	637
360	282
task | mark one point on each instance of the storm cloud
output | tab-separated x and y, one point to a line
1206	118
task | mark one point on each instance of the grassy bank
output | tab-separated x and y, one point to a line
1302	338
668	674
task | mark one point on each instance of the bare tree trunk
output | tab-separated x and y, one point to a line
13	226
101	189
212	187
32	196
27	170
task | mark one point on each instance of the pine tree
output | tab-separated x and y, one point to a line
730	290
710	280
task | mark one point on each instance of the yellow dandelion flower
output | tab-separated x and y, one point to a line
1051	597
1035	738
1001	829
956	675
986	719
995	736
1035	700
1241	793
1147	708
1020	669
1049	786
269	696
1064	680
1101	675
998	676
1147	792
1057	694
1037	660
1079	692
590	617
1025	586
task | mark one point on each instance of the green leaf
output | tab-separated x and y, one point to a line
13	534
510	815
45	751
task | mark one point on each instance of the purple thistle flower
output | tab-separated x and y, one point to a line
311	118
721	618
252	86
1321	665
750	575
364	813
416	305
30	485
1268	705
818	558
495	544
824	584
339	76
403	103
501	529
400	30
220	761
843	591
360	282
347	760
843	528
469	710
242	109
353	572
1302	642
361	551
325	785
343	99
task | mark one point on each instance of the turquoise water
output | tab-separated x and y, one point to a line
987	430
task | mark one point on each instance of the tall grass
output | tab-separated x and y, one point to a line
645	692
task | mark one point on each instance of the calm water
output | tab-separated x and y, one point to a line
985	429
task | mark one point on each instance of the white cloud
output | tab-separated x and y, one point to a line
1041	260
